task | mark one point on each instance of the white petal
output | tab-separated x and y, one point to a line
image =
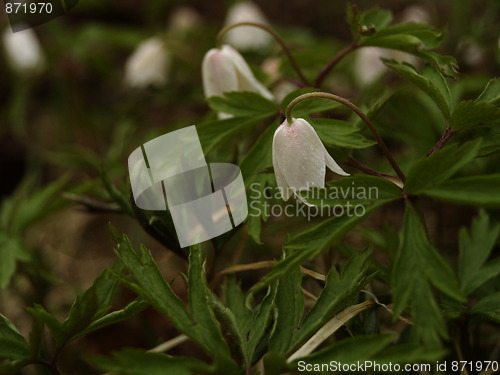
299	155
333	166
148	65
245	78
219	75
246	37
280	179
23	51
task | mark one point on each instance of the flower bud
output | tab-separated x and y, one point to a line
246	37
23	51
148	65
300	159
225	70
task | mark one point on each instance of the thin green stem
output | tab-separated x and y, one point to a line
367	121
331	64
275	35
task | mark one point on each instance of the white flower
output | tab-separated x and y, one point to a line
148	65
300	159
23	51
225	70
246	37
368	67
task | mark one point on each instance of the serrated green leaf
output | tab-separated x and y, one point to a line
470	114
440	166
416	265
202	314
12	344
289	310
479	191
350	350
12	250
310	106
215	132
149	284
138	362
243	104
475	248
426	35
257	210
435	86
340	133
489	306
491	93
338	291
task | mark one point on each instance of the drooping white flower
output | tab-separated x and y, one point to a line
300	159
23	51
148	65
225	70
246	37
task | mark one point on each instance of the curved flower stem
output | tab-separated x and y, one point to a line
328	67
367	121
275	36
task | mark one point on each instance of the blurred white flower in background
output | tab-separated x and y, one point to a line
23	51
416	13
225	70
368	67
300	159
148	65
183	19
246	37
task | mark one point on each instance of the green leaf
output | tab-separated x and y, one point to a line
149	284
409	353
491	93
489	306
202	314
340	133
354	192
289	310
27	206
243	104
338	291
470	114
311	243
138	362
259	157
309	106
433	84
56	328
12	344
257	209
12	251
132	309
416	265
475	248
479	191
376	17
440	166
350	350
215	132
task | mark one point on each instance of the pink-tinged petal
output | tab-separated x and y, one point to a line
219	75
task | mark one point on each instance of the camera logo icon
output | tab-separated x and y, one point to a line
170	173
